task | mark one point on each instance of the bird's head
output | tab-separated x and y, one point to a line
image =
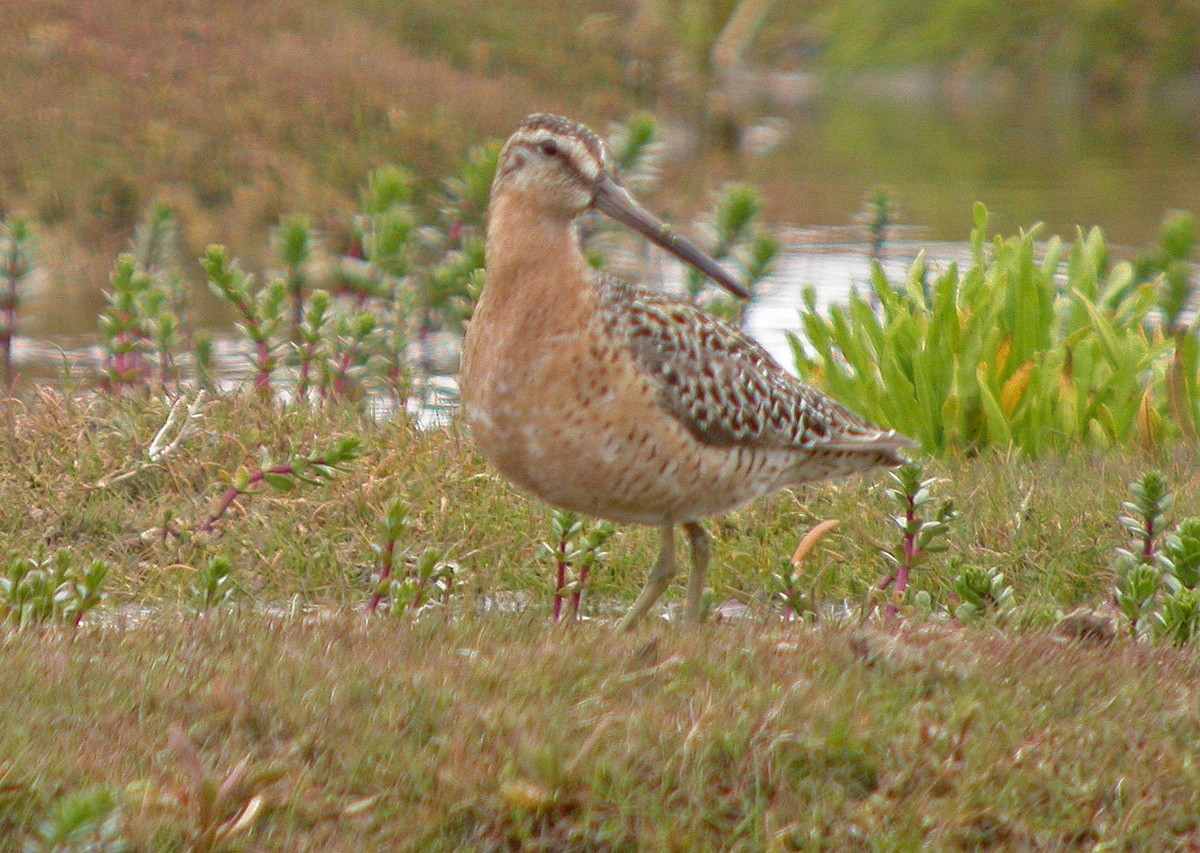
563	167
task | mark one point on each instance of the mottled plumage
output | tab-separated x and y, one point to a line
724	387
620	402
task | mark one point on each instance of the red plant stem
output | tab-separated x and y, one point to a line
1148	543
910	554
118	363
6	344
562	578
262	381
394	380
127	364
389	556
577	596
233	492
305	368
343	369
297	304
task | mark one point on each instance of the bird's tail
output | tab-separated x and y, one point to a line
851	454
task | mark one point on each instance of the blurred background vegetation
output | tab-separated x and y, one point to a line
237	114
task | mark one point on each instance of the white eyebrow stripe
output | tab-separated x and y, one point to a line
578	153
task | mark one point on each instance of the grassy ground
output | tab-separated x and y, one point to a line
498	733
1050	524
478	729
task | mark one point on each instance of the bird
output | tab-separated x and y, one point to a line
620	401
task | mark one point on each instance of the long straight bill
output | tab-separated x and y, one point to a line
614	200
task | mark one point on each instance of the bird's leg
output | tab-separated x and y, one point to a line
657	583
700	542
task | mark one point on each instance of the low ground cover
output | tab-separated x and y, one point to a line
474	721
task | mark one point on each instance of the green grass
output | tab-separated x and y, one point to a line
1049	524
482	729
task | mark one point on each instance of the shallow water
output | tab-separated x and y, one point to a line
828	259
1048	156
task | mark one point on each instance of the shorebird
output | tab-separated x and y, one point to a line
622	402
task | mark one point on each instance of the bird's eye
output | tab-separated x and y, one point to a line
549	148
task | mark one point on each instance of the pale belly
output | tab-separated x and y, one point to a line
592	438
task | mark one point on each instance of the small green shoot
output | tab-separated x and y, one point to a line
50	589
310	337
574	551
464	201
1180	555
923	527
1158	560
1178	620
982	595
124	332
590	554
878	218
397	523
1137	571
738	235
214	584
432	581
350	336
786	590
1136	593
205	366
155	252
88	821
565	526
313	469
260	313
1143	518
18	250
636	149
293	240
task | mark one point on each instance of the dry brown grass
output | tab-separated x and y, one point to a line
236	113
501	733
490	730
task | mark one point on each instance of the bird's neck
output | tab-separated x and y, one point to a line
534	257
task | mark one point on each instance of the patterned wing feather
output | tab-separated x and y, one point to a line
725	388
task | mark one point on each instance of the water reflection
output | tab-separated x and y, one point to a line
1044	156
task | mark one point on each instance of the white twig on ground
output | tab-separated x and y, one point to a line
179	426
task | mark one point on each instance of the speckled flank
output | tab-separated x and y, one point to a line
620	402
